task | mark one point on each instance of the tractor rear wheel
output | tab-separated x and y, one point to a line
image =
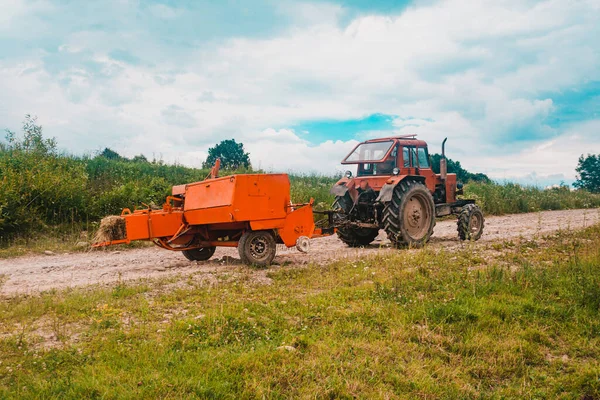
200	254
257	248
470	222
352	236
409	217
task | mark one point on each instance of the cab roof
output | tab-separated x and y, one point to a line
404	140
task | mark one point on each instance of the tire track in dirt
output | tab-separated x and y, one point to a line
32	274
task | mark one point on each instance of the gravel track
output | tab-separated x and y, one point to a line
32	274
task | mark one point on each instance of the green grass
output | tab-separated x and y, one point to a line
511	198
317	187
514	320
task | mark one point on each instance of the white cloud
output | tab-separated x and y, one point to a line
14	9
272	149
309	13
550	161
475	72
175	115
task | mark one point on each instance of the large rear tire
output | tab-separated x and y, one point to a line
409	217
352	236
201	254
257	248
470	222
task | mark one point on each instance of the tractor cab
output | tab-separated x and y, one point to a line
378	160
396	189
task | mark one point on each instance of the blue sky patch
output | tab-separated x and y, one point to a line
576	104
124	56
320	130
383	7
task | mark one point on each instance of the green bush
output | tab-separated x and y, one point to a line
38	185
41	188
512	198
305	187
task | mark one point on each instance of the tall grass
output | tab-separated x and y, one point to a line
511	198
42	188
305	187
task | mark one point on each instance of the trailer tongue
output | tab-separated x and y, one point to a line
252	212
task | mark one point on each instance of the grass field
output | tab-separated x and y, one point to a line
504	320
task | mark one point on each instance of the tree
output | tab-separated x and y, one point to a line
140	158
110	154
33	140
588	173
454	167
232	155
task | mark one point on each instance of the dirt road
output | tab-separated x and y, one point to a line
31	274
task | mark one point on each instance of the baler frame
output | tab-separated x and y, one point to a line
226	212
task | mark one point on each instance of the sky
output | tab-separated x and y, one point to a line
513	84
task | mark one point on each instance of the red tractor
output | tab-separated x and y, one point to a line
395	189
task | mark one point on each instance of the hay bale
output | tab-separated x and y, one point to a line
111	228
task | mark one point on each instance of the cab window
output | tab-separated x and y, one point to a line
413	157
409	156
387	166
374	151
365	169
423	157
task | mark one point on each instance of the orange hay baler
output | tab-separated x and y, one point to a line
252	212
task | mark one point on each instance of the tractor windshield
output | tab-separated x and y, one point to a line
371	152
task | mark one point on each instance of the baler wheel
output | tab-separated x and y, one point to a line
470	222
352	236
201	254
409	217
257	248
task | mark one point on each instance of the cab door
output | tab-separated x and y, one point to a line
415	161
409	162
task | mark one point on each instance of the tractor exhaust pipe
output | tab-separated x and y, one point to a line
443	165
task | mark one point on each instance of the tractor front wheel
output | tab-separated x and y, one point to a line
352	236
409	217
200	254
470	222
257	248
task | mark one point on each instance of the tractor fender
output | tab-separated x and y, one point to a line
339	189
385	194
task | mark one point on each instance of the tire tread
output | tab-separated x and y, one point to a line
392	223
462	223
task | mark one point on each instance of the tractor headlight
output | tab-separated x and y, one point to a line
396	171
348	174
